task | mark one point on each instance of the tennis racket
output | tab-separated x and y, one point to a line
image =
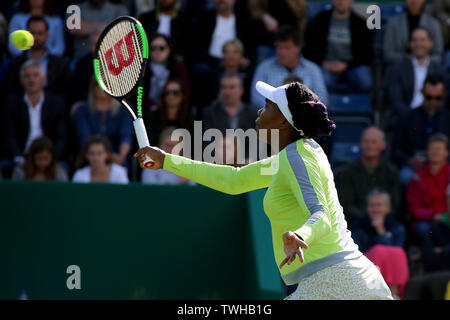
120	59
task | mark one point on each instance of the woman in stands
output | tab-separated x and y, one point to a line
301	201
94	164
40	163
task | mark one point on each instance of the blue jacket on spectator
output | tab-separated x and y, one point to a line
117	127
365	235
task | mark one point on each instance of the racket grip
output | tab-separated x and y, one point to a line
142	138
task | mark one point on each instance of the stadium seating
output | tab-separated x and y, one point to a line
351	104
345	139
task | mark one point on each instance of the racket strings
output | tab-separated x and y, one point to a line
121	57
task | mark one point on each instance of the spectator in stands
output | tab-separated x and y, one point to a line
33	115
436	248
270	15
56	69
288	62
143	6
82	73
95	14
405	80
215	27
40	163
274	13
441	10
55	25
410	136
95	164
167	20
233	60
173	111
339	41
426	192
212	30
229	112
102	114
163	66
227	152
382	239
432	286
399	29
370	171
162	176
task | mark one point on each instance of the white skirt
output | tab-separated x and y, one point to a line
356	279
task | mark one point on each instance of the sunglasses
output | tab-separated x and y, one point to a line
437	98
160	48
174	92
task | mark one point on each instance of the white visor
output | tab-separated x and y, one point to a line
278	96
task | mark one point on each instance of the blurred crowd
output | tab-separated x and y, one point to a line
205	58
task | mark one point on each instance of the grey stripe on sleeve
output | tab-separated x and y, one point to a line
307	189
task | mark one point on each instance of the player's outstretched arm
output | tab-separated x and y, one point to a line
222	178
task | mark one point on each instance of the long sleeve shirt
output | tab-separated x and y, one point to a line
300	197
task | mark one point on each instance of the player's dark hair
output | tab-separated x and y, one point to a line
37	19
308	113
94	139
286	33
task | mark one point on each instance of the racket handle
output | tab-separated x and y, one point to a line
142	138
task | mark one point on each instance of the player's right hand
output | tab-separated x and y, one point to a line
292	247
155	153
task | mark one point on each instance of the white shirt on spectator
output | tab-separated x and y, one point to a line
224	31
420	73
117	174
164	24
35	114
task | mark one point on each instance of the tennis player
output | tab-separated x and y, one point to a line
301	201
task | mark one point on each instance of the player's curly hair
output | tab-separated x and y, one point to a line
308	113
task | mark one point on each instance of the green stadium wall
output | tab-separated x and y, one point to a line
134	242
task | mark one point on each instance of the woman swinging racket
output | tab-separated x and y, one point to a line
301	201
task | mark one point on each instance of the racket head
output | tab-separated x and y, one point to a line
120	57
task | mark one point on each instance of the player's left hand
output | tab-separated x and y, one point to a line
292	247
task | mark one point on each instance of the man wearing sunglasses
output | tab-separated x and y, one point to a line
410	136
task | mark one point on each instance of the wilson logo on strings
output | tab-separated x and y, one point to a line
116	70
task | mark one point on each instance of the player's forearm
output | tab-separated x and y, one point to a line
316	227
222	178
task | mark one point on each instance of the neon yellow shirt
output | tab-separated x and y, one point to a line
301	197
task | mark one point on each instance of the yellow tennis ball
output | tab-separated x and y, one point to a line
22	39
